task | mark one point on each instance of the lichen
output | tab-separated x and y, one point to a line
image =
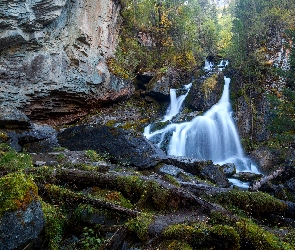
17	191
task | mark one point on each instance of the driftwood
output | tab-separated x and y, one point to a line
257	184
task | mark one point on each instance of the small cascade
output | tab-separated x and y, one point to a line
175	102
208	65
212	136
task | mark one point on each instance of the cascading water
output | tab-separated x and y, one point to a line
212	136
175	102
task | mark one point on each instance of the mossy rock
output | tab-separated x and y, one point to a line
17	191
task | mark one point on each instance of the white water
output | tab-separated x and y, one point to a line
212	136
175	103
208	65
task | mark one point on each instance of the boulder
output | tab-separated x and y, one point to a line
21	215
20	229
229	169
202	169
120	145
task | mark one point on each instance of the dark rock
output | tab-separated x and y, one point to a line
121	145
203	169
39	138
12	118
291	184
19	228
229	169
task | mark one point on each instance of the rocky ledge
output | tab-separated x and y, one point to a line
53	58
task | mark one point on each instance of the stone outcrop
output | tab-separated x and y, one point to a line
53	57
205	92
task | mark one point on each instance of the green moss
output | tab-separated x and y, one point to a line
146	194
111	196
256	203
178	245
171	179
140	225
94	156
17	191
10	160
254	237
54	228
203	236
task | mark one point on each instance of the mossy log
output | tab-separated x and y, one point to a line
132	185
76	198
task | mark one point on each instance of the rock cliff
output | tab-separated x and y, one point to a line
53	57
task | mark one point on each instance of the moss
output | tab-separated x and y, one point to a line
10	160
171	179
254	237
3	137
94	156
203	236
209	85
111	196
140	225
178	245
146	194
55	223
255	203
17	191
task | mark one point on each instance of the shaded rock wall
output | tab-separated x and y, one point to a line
53	57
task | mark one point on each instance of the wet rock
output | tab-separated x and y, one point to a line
203	169
247	176
170	169
12	118
21	228
229	169
265	158
122	146
205	92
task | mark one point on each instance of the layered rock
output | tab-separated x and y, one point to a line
53	57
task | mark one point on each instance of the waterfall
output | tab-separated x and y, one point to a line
212	136
175	102
208	65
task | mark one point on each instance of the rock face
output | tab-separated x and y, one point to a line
205	92
120	145
159	87
19	229
53	57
